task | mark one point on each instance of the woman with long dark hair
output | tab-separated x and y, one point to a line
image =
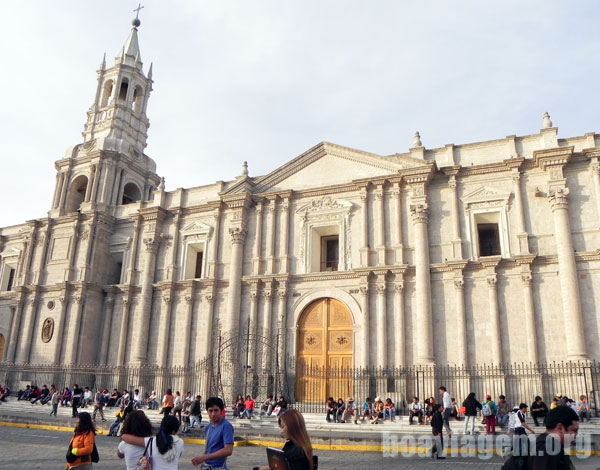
82	443
165	448
136	424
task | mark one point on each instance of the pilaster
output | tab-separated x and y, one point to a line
366	330
109	305
492	279
382	323
529	307
380	225
364	249
399	323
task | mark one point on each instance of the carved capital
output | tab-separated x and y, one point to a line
282	293
267	294
381	287
516	176
210	298
595	168
399	287
459	284
125	301
188	298
238	234
253	295
166	298
419	213
526	278
62	299
559	198
491	280
364	290
152	244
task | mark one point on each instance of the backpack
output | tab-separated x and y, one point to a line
486	410
102	399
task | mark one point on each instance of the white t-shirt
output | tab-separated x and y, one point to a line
158	460
132	454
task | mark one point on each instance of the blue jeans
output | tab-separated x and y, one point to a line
389	413
196	419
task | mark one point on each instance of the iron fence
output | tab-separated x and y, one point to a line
307	388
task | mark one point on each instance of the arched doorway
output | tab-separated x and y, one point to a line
1	347
325	348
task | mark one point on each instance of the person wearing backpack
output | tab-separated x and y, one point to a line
489	410
471	406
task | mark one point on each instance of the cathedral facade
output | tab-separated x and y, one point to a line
483	253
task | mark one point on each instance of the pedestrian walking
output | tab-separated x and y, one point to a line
82	444
219	437
137	424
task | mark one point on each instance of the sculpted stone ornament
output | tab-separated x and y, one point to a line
238	234
419	213
47	330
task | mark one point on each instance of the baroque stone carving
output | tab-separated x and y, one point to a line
47	330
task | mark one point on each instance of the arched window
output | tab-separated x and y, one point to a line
106	93
131	193
123	90
76	194
138	99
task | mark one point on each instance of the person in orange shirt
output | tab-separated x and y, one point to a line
82	443
168	402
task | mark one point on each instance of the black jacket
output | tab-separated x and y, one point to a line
559	461
472	405
295	456
437	423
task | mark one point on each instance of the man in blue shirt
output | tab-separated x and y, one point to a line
219	437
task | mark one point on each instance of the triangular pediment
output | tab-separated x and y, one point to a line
196	228
485	194
241	185
10	252
329	164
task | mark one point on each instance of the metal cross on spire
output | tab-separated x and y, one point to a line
137	10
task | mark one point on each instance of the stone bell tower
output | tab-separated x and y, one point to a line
109	168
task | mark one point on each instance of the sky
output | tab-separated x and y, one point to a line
263	81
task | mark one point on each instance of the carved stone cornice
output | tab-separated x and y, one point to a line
490	261
553	157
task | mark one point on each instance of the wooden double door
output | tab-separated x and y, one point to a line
324	355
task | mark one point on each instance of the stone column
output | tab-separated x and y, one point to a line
567	268
495	343
108	176
522	236
461	323
420	217
281	322
399	328
397	223
29	315
165	330
72	343
381	327
253	326
15	328
59	327
595	169
60	180
120	190
364	250
64	189
90	183
214	255
454	210
528	305
114	200
284	258
123	331
380	225
187	332
256	259
109	305
267	324
366	332
139	339
553	162
272	222
231	323
210	302
97	171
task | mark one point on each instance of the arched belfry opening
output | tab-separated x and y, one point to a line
324	351
123	89
138	99
106	93
131	193
76	194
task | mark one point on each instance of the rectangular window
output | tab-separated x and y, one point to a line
330	253
198	270
116	268
11	278
489	240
